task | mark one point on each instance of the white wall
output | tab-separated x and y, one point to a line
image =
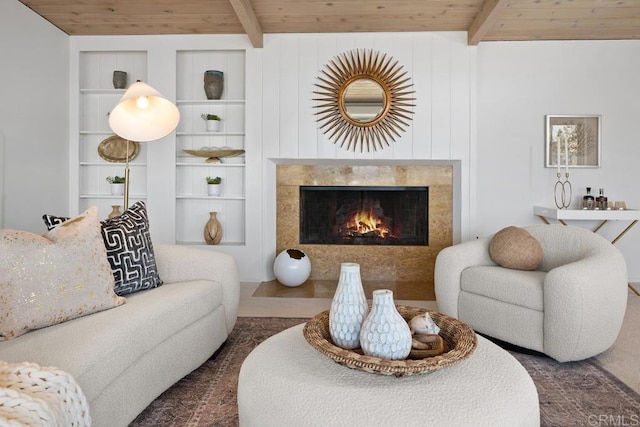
484	105
521	82
34	117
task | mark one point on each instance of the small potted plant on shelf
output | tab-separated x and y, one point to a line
117	185
213	187
213	122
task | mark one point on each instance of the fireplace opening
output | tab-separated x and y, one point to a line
371	215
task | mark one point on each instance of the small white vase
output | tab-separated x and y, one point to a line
117	189
384	332
348	307
213	125
213	189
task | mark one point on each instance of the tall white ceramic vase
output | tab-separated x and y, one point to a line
384	332
348	307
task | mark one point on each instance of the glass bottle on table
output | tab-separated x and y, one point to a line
588	200
601	200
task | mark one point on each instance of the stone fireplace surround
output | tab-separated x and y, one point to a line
411	264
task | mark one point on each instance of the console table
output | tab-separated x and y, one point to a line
563	215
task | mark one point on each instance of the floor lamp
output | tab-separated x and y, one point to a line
142	115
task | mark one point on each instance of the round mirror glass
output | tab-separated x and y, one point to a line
364	100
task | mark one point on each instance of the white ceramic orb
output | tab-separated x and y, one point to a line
292	267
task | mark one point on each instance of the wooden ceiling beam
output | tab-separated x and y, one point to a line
249	21
484	21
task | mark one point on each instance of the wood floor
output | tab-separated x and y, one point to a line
415	291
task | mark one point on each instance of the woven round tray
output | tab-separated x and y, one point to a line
459	342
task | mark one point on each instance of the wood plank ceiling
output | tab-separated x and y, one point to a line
484	20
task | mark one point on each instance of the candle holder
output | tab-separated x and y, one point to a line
562	192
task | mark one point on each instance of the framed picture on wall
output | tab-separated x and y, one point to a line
572	140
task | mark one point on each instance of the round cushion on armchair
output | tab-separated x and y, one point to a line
515	248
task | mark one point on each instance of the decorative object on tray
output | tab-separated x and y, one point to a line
213	122
213	84
426	345
213	186
459	343
117	185
292	267
213	230
214	154
119	79
114	149
348	308
384	333
115	211
423	324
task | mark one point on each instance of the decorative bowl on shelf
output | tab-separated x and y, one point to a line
213	156
459	342
114	149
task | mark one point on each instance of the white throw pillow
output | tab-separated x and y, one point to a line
53	278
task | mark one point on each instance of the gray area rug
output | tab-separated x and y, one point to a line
571	394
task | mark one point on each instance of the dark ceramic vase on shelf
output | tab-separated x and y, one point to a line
213	84
119	79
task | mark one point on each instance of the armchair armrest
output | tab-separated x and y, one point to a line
584	305
450	263
183	264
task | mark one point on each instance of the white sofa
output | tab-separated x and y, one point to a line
570	308
125	357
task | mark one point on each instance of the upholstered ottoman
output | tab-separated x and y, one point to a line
286	382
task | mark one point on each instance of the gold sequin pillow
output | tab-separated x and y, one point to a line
53	278
515	248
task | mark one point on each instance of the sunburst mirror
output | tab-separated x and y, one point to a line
365	100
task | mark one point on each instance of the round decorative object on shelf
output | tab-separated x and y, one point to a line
384	332
213	84
292	267
348	308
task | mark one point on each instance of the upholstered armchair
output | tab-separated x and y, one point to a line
570	308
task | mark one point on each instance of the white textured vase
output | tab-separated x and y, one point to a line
348	307
384	332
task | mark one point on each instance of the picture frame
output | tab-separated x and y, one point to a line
574	136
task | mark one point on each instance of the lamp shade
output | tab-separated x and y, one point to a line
143	114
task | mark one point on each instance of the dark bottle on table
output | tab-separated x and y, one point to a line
601	200
588	200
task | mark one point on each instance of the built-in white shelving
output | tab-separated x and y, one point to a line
192	202
97	97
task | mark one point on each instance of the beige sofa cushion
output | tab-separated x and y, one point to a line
515	248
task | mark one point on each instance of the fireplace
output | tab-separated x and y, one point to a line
410	264
364	215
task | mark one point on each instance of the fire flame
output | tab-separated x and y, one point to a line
365	222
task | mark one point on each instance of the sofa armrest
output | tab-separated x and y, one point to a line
178	263
584	305
450	263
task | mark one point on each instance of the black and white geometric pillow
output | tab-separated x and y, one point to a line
51	220
129	249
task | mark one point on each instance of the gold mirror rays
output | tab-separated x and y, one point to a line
365	100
